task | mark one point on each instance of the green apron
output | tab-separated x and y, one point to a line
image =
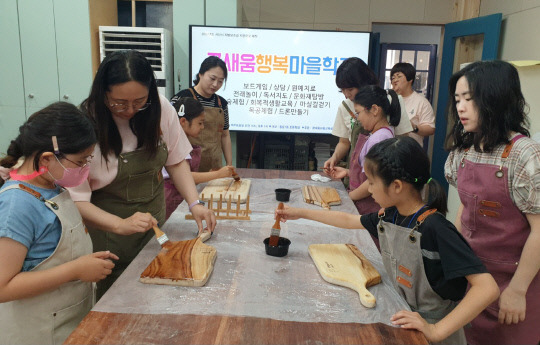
138	187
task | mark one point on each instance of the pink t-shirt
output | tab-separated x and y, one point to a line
101	174
374	138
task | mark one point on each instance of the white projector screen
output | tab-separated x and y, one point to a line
278	80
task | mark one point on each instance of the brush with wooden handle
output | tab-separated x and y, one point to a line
235	175
163	240
274	235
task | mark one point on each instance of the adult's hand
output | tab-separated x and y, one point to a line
138	222
201	213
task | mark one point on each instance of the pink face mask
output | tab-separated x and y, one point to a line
72	176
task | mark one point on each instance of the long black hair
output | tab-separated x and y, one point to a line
402	158
73	130
496	92
369	95
117	68
354	72
209	63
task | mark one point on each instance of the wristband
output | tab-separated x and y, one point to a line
195	203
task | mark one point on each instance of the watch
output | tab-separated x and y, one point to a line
415	129
195	203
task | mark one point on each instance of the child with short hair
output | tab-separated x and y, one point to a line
46	262
428	261
191	115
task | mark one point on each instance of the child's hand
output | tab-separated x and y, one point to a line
339	172
287	213
512	305
411	320
226	171
94	267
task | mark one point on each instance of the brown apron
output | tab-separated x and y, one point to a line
497	231
356	130
402	259
138	187
50	317
210	137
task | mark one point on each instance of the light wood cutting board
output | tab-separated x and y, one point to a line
322	196
185	263
345	265
226	187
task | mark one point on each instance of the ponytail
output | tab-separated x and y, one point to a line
388	102
436	196
402	158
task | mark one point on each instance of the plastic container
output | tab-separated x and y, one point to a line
280	250
283	194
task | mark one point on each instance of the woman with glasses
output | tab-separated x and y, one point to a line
214	139
138	135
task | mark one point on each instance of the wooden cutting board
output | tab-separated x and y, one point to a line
345	265
226	187
322	196
185	263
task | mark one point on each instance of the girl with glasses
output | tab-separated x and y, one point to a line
46	262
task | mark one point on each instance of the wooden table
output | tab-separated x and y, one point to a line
136	328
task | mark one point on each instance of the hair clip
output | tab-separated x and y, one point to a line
429	180
181	111
55	145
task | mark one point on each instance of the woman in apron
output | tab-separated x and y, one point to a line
46	261
496	169
192	119
138	135
352	74
215	138
428	261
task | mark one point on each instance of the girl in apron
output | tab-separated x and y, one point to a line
428	261
46	262
214	139
373	110
138	134
352	74
496	169
192	119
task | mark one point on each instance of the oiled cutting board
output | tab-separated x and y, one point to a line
184	263
226	187
345	265
322	196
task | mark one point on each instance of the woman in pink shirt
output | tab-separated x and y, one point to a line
138	135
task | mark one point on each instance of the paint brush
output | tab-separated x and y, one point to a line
274	234
235	175
162	238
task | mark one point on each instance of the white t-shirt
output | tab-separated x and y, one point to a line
101	175
420	112
342	123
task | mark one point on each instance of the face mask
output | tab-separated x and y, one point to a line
72	176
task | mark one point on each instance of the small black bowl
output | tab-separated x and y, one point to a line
280	250
283	194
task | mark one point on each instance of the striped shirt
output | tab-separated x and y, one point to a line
523	176
206	102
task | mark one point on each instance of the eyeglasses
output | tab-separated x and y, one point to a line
88	160
121	107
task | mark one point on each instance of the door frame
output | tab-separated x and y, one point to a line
490	26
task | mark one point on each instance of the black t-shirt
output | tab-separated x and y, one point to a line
447	256
206	102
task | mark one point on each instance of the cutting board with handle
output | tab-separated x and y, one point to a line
322	196
345	265
226	187
182	263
